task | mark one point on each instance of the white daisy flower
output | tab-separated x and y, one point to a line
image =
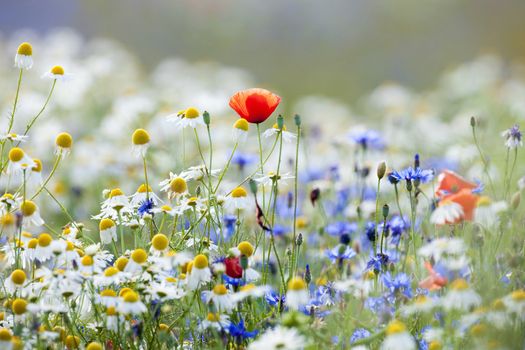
18	162
24	56
238	200
56	73
288	137
13	137
279	338
190	117
297	294
398	338
141	142
216	321
220	297
460	297
447	212
130	304
108	231
200	272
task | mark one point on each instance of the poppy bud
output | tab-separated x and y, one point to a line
206	117
244	262
280	122
473	122
386	209
297	119
381	170
253	186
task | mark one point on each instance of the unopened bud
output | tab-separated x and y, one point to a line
473	122
244	262
280	122
409	185
381	170
288	252
386	209
515	200
297	119
253	186
206	117
307	275
299	240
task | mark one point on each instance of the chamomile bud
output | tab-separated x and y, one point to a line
140	139
63	143
24	56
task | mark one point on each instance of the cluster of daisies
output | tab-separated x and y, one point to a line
289	239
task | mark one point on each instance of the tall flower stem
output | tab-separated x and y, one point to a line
295	200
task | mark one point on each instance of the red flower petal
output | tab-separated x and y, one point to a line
254	105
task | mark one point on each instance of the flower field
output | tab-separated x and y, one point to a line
188	208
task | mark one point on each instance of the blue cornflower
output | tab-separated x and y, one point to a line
229	226
341	227
145	207
340	252
274	299
359	333
235	282
242	159
280	230
398	285
411	174
377	262
367	139
397	226
370	231
512	137
239	332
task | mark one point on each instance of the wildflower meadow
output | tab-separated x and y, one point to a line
191	208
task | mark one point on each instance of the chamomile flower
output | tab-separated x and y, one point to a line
221	298
269	178
131	304
63	143
250	291
13	137
515	303
24	56
279	338
15	281
199	272
447	212
34	178
137	260
108	231
190	117
18	162
238	199
240	130
56	73
110	276
422	304
460	296
288	137
159	244
175	185
107	297
8	225
398	338
216	321
141	142
297	294
197	173
144	193
116	202
30	214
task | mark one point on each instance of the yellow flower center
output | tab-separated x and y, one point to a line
296	283
498	304
19	306
72	342
483	201
165	208
140	137
57	70
139	256
87	260
121	263
32	243
435	345
124	291
28	208
164	327
108	293
301	222
459	284
5	334
178	185
191	113
143	189
25	49
131	297
94	346
241	124
239	192
421	299
395	327
111	311
246	248
213	317
115	192
106	224
518	295
159	241
478	330
247	287
44	239
18	277
38	166
110	271
200	261
8	219
64	140
220	289
16	154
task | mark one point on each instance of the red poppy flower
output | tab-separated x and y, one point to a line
467	200
434	281
233	267
254	105
450	183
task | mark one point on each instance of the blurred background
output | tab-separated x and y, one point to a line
338	48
